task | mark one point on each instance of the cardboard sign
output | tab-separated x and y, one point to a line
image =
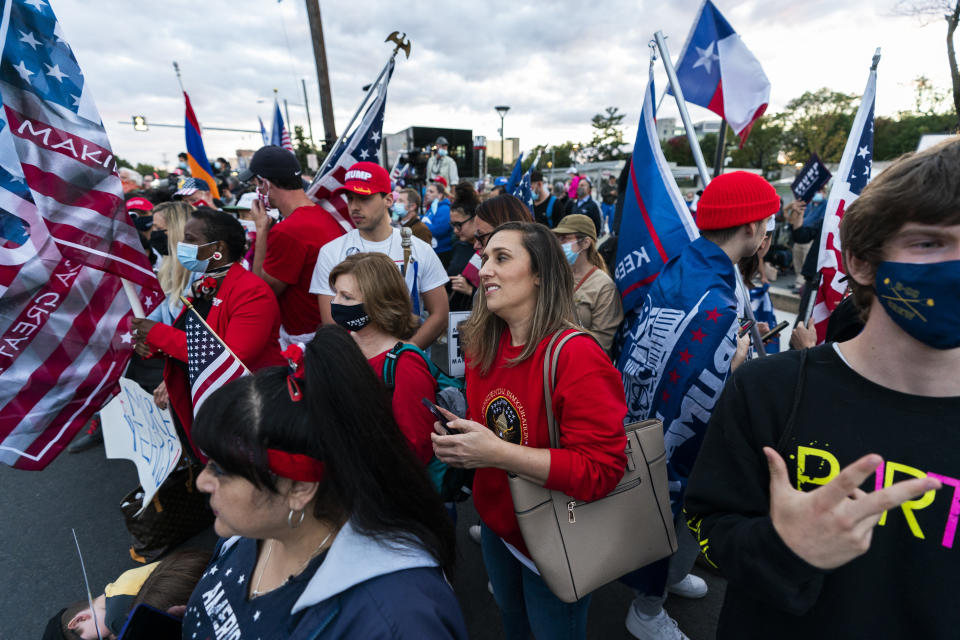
813	176
456	366
136	429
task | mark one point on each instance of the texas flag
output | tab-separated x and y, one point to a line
718	72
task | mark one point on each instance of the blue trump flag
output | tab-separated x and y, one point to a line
656	223
515	174
523	189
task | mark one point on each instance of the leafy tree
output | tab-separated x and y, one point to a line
302	147
144	169
762	147
121	163
677	149
818	122
607	136
494	166
950	11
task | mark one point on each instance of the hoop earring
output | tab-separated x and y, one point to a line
217	255
290	519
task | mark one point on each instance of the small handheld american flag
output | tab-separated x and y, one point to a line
210	363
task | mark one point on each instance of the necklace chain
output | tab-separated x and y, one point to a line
256	591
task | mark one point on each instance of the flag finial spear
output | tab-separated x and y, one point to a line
401	41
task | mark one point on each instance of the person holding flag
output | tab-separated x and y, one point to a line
236	305
679	350
817	492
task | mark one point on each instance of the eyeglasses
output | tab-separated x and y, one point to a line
459	225
482	238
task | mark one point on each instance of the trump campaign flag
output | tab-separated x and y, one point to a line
524	189
656	224
196	156
263	131
852	176
65	243
363	144
280	136
718	72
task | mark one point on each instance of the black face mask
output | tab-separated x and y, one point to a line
352	317
158	240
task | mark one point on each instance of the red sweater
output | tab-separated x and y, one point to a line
246	317
589	407
412	381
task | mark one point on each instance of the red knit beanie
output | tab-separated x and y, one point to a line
736	198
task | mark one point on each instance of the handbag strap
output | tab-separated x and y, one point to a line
550	359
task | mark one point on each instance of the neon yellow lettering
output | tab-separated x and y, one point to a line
804	475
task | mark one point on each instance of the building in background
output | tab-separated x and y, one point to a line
509	154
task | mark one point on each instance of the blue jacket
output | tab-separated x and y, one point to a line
376	589
437	220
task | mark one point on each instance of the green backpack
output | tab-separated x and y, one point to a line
453	484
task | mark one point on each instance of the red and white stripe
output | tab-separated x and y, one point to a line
225	368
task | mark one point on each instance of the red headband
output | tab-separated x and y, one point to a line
295	466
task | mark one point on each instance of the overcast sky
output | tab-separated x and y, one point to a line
555	63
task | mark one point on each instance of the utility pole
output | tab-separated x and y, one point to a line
323	79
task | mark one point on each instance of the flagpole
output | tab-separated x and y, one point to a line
682	106
132	298
401	45
705	179
721	148
176	68
189	307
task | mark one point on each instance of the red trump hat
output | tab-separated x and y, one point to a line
366	178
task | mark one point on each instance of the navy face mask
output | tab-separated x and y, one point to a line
923	299
351	317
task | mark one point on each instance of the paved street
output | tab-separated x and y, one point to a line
41	572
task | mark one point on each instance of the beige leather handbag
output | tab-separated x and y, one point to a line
579	546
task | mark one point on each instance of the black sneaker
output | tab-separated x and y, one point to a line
89	437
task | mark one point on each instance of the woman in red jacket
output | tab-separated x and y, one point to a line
526	296
240	308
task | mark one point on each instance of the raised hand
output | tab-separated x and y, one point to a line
833	524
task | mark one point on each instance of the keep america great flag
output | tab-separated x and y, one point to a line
66	243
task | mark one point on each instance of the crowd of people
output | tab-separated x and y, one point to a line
810	479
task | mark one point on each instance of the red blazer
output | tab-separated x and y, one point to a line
245	315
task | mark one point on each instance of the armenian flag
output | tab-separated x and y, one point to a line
196	156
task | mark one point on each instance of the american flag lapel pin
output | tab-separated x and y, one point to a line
216	302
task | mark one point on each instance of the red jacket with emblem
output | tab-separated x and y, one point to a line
589	407
247	319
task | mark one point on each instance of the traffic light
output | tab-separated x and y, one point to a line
140	123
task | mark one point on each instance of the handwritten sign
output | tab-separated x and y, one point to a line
136	429
455	363
813	176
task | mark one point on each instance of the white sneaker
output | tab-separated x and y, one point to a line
474	532
658	627
691	586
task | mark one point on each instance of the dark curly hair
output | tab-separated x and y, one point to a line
224	227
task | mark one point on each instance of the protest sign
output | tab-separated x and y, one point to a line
136	429
455	363
813	176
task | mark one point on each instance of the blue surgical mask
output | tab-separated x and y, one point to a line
569	252
441	152
187	255
923	299
398	210
818	197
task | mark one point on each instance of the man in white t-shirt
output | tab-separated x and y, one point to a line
367	187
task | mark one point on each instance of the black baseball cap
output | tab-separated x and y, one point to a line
269	162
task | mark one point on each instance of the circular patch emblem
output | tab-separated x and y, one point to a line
352	250
504	419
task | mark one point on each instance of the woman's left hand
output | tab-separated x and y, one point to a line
471	446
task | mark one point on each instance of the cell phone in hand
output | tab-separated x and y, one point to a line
442	419
745	326
775	331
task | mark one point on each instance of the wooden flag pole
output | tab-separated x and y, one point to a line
132	298
189	307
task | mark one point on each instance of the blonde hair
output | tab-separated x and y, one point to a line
173	276
385	296
593	256
554	309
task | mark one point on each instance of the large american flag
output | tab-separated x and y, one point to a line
361	145
210	364
66	242
852	176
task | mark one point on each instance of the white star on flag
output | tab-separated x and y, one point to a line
23	71
375	136
229	571
27	37
864	152
36	4
363	154
126	338
241	579
55	72
256	616
707	56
